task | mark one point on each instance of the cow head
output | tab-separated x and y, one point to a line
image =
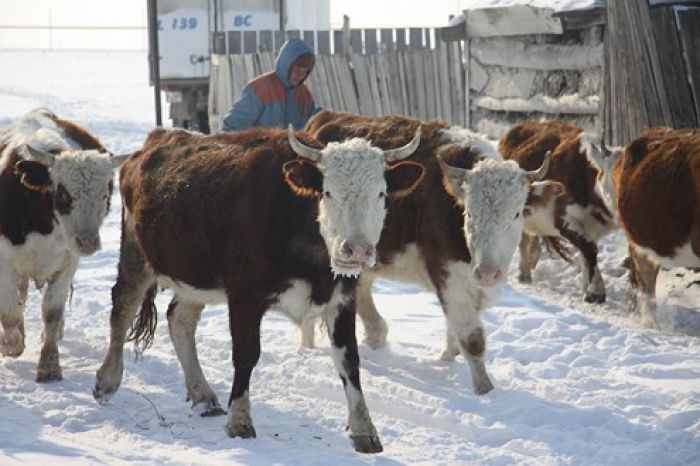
352	180
493	195
603	159
81	185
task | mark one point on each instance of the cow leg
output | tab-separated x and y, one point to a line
341	328
182	321
529	256
13	295
307	329
451	347
464	323
645	274
593	286
52	306
134	278
375	326
244	324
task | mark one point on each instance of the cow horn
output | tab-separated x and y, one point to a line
394	155
304	151
540	173
41	156
117	160
450	171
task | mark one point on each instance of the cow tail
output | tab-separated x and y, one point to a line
556	246
144	328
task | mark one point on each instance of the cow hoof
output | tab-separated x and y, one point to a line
375	335
52	374
208	409
12	343
12	352
594	298
241	430
525	278
448	355
366	443
483	388
101	395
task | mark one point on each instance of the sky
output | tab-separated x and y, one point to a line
110	25
129	19
575	383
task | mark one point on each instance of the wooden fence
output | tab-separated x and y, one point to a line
371	72
650	79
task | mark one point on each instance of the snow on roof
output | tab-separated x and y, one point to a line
557	5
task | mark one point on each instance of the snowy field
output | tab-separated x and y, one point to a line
575	383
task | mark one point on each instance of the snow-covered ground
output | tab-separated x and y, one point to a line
575	383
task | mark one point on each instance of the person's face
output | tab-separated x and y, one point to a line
297	74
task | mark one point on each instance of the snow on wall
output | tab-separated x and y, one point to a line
556	5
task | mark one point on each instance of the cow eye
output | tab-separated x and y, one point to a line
327	195
382	195
517	214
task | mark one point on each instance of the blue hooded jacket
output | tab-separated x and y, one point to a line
269	100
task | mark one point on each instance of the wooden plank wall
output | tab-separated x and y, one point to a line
648	79
403	71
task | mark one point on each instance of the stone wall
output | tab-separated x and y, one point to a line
547	76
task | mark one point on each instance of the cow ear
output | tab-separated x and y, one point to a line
303	177
541	192
33	175
402	178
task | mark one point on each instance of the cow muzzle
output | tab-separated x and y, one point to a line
87	244
487	276
351	256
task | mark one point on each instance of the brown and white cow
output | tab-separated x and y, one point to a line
255	219
653	186
455	234
55	185
578	215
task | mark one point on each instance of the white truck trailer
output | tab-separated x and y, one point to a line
187	29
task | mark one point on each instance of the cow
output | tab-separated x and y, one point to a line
653	186
454	235
256	219
55	187
578	215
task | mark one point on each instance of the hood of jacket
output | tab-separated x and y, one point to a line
290	51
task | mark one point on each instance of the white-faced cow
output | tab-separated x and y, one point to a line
55	185
579	214
653	185
454	235
255	219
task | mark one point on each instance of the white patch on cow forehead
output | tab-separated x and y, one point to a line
83	167
351	161
496	185
467	138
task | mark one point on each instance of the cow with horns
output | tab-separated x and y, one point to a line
256	219
579	214
653	186
55	187
455	235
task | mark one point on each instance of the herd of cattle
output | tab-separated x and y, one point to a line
304	222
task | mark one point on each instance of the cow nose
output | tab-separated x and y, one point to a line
486	276
359	251
87	244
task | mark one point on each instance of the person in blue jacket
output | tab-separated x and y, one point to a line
279	97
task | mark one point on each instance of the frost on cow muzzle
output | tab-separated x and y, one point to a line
351	181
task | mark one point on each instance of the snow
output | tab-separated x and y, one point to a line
556	5
575	383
